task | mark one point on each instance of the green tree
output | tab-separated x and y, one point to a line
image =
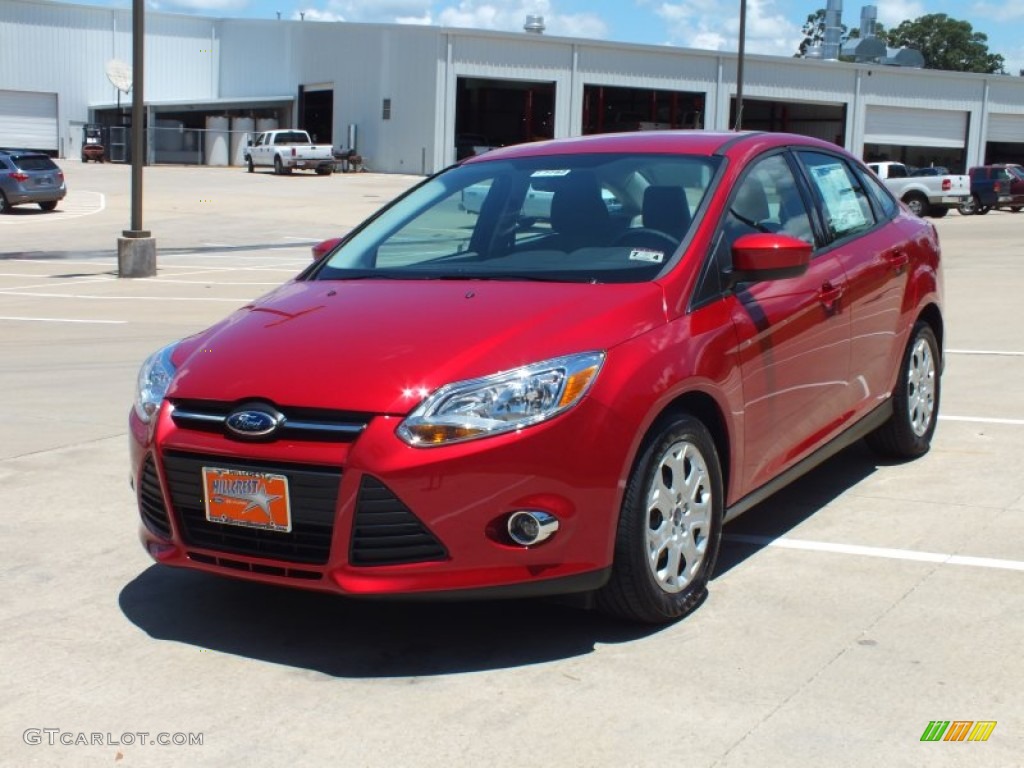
947	44
813	31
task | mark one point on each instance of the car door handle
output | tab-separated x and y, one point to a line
829	296
898	260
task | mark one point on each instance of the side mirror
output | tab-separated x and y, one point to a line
768	256
323	248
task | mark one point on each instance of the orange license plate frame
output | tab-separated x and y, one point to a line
247	498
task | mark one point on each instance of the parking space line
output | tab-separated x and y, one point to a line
982	420
62	320
206	282
123	298
885	552
993	352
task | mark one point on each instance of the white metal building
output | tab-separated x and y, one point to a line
406	94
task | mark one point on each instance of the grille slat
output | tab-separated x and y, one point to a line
151	501
386	532
299	423
312	491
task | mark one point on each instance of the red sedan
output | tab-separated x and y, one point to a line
504	405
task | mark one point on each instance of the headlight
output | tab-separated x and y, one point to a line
504	402
154	379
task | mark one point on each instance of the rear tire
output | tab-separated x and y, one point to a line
278	166
49	205
5	207
670	525
908	432
1016	208
918	204
937	212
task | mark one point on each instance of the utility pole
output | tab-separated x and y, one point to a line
738	126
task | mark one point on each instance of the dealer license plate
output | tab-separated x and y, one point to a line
249	499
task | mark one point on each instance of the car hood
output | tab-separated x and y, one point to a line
380	345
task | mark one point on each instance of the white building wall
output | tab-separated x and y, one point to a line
56	47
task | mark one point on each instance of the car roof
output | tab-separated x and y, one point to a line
690	142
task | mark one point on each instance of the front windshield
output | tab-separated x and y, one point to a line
591	218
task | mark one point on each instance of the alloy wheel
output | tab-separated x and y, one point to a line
679	516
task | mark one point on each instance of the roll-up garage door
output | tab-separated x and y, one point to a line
915	127
1007	128
28	120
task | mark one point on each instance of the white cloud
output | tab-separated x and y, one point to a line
511	16
892	13
706	24
476	14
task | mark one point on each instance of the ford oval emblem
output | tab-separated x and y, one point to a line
250	421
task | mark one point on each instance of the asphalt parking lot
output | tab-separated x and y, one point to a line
847	613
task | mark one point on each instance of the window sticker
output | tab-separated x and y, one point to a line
841	198
550	172
647	254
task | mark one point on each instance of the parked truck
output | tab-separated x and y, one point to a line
286	150
924	195
995	186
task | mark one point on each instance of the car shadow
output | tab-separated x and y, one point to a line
351	638
776	516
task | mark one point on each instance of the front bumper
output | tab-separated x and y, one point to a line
375	517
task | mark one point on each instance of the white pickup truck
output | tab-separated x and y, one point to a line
924	195
286	150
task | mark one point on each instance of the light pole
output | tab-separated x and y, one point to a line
136	249
738	126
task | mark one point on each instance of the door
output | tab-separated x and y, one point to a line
794	333
875	259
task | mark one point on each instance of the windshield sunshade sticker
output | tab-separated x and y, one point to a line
550	172
646	254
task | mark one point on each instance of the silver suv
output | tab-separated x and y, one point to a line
29	177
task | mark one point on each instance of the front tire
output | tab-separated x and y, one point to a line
969	207
937	211
670	526
250	166
908	432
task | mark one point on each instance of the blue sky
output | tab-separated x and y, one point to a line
773	26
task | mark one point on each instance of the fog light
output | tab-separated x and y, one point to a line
529	527
158	550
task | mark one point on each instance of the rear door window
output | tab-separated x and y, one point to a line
844	199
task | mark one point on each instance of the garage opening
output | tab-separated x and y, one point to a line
822	121
496	113
316	112
608	109
919	138
1005	142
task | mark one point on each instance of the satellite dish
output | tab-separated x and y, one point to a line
119	74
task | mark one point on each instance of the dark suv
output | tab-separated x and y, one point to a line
29	177
995	186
